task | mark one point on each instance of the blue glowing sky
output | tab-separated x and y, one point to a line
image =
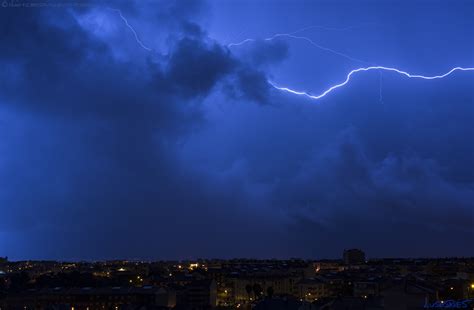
140	130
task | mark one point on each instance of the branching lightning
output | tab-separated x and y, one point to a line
292	35
349	75
379	68
323	48
310	41
132	30
295	32
380	87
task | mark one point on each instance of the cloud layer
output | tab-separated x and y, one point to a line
112	151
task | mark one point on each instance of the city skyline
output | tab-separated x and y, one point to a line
352	282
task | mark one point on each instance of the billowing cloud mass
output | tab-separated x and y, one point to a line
109	150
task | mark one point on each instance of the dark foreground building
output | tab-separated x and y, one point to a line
353	257
91	298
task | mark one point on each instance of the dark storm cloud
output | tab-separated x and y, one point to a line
343	179
374	175
249	84
192	30
195	68
250	81
268	52
53	67
92	158
254	85
109	153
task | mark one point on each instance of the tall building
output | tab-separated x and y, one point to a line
3	263
353	257
197	295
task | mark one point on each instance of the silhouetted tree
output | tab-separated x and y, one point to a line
270	292
19	281
249	289
257	290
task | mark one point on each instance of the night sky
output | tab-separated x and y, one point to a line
134	130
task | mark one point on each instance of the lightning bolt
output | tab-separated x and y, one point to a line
372	68
332	88
131	29
380	87
323	48
298	31
310	41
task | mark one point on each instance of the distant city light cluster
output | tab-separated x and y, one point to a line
240	283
